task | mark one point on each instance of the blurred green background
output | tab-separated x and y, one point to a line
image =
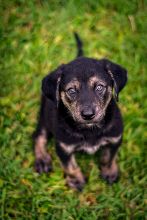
35	37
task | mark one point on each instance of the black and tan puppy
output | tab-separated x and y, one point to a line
79	109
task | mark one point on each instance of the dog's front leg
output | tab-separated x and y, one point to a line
108	166
72	172
43	161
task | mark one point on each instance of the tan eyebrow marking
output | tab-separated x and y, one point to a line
73	83
92	80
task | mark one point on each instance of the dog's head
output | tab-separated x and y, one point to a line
85	86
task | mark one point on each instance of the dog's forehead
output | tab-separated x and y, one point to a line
85	70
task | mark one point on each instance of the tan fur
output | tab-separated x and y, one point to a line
64	99
73	84
105	156
67	148
91	149
110	170
73	173
40	142
71	106
93	80
110	97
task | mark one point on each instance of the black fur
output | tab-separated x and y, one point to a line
79	45
57	119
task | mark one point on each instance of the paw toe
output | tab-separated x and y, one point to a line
110	178
43	165
76	183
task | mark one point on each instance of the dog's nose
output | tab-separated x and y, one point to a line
88	114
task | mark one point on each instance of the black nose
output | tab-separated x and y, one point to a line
88	114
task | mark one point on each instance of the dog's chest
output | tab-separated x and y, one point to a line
90	148
87	147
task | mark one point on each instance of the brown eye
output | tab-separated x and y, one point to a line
72	92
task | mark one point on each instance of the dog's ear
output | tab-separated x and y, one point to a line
50	84
118	75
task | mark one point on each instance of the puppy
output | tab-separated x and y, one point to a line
78	108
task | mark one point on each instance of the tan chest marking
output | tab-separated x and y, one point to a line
90	149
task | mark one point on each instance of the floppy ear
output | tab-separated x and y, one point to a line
118	75
50	85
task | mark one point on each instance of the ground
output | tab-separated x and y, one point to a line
35	37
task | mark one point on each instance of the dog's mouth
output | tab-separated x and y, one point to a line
96	122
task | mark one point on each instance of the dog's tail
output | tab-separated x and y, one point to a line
79	45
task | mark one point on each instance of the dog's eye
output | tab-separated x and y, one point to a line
99	88
71	92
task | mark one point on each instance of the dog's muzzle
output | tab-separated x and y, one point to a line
88	113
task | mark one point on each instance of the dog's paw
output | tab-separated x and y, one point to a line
110	175
43	164
75	183
110	179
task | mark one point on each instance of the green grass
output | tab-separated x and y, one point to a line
35	37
